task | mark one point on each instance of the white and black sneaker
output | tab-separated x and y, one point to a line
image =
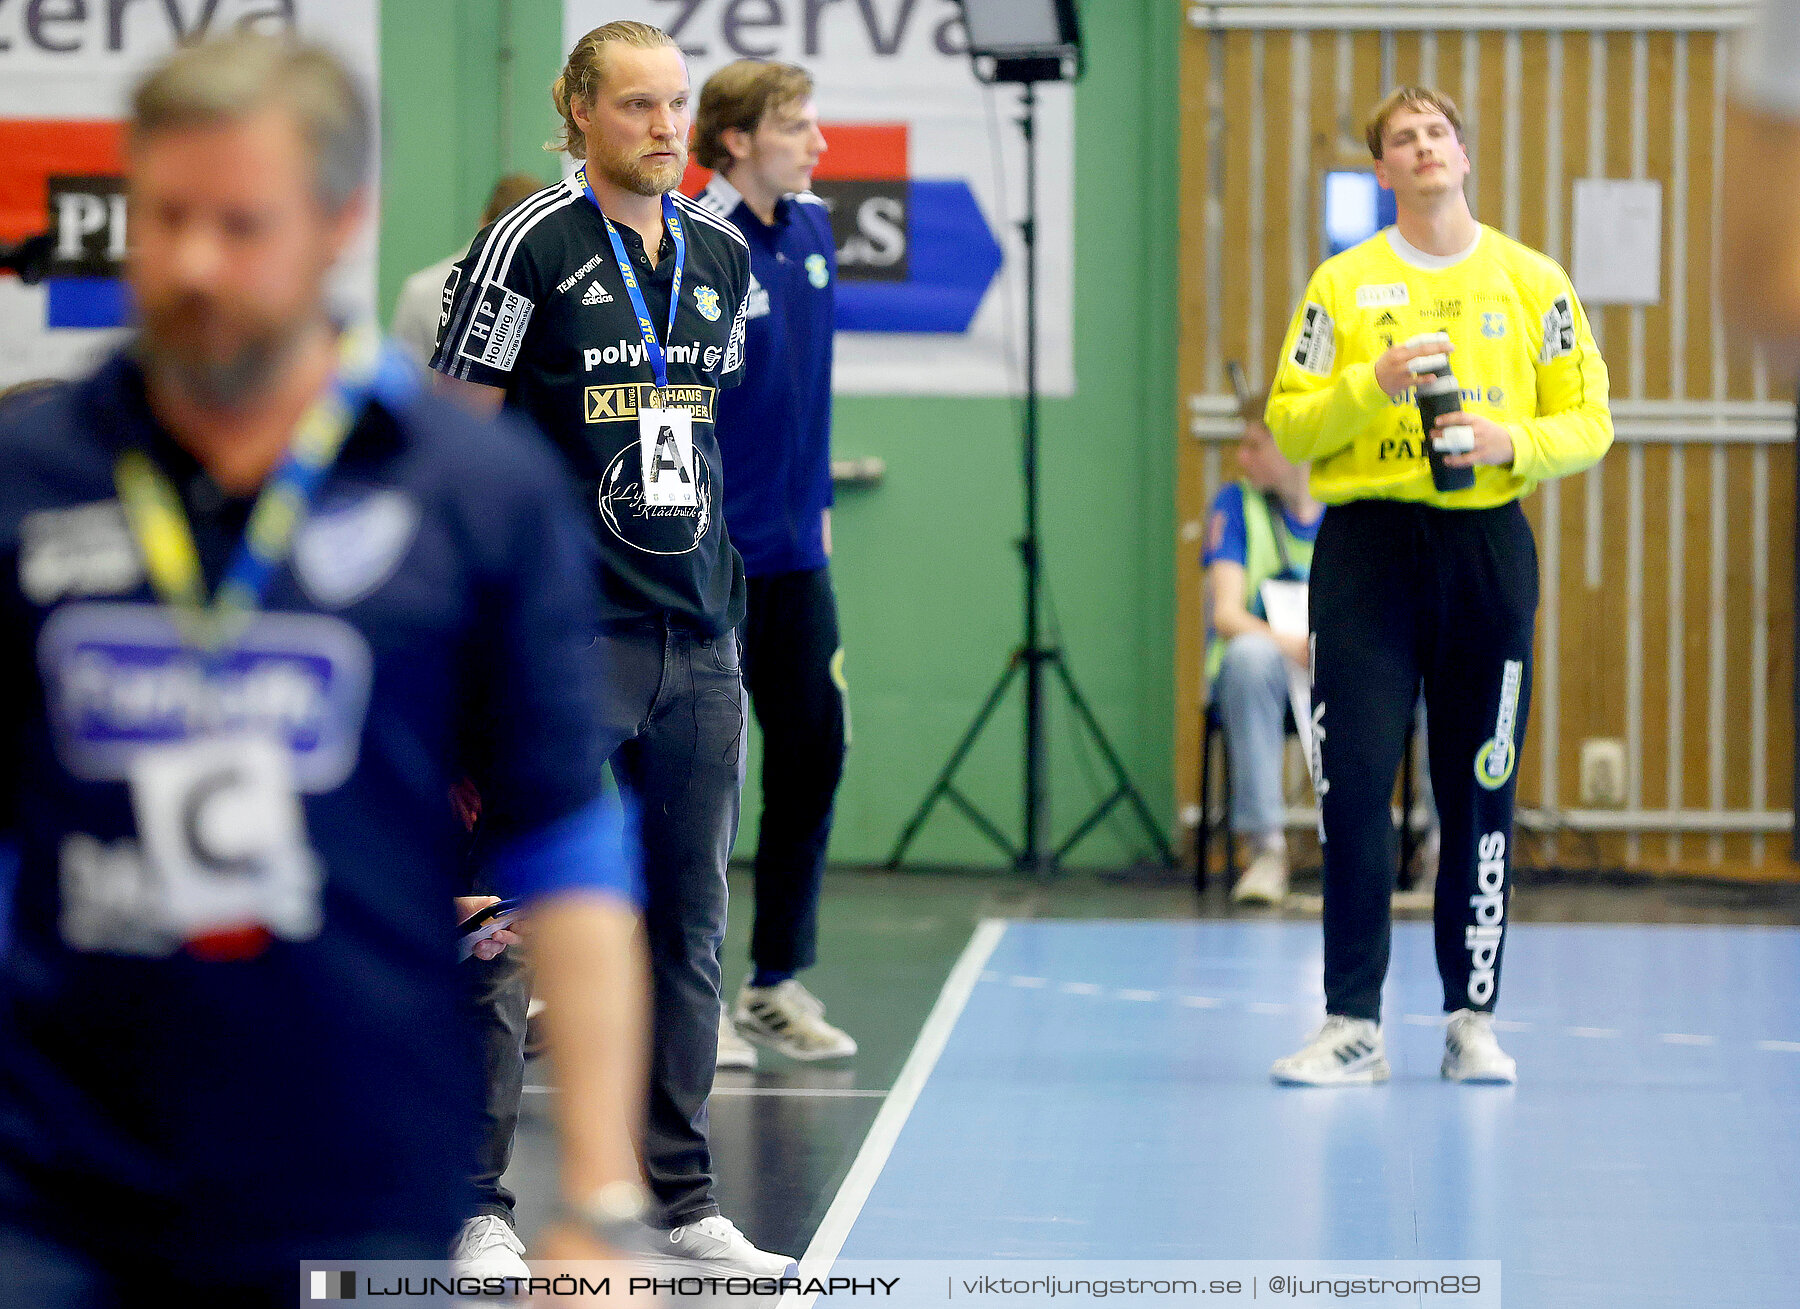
1471	1054
715	1246
734	1050
790	1020
1343	1052
487	1246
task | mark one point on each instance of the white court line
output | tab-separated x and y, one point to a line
828	1241
1031	983
1201	1001
1778	1045
1592	1031
1079	988
1140	995
1685	1038
1425	1020
793	1092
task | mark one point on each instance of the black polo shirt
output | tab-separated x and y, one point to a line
539	308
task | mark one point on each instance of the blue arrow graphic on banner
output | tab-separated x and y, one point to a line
952	259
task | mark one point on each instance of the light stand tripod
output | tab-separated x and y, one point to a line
1033	657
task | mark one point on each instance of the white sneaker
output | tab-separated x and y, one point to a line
1471	1054
487	1246
790	1020
1343	1052
734	1050
714	1245
1265	881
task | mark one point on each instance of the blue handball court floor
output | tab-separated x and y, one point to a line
1104	1094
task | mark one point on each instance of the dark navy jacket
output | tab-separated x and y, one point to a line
244	1101
775	429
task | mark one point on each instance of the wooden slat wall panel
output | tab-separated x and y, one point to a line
1638	555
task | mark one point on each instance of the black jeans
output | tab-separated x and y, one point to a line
793	672
674	721
675	706
500	995
1403	594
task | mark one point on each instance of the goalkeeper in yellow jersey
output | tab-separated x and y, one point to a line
1415	585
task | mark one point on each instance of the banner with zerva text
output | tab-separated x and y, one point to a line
66	75
924	172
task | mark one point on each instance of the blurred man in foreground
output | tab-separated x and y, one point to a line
262	599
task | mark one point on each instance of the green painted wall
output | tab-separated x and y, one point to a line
927	575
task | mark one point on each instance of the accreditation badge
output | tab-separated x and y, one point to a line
666	449
222	831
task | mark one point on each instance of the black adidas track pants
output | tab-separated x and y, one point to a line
1404	594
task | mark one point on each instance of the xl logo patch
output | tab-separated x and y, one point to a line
620	403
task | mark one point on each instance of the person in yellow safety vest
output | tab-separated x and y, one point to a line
1261	529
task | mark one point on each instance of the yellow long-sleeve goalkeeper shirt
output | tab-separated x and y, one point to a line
1524	357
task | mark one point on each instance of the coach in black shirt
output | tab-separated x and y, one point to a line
611	310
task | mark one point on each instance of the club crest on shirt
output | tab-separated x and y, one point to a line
348	550
817	271
654	529
706	300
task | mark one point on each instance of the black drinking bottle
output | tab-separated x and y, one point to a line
1442	395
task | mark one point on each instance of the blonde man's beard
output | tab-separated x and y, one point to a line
633	174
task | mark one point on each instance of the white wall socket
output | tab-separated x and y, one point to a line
1602	773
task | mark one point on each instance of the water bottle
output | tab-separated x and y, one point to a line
1441	395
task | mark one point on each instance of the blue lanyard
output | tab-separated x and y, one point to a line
366	368
653	350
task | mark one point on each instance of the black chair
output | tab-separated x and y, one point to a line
1211	727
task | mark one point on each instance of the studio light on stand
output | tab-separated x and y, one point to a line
1025	43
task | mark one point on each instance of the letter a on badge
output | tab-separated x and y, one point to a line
666	454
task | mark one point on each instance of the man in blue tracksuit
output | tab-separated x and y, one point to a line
758	129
